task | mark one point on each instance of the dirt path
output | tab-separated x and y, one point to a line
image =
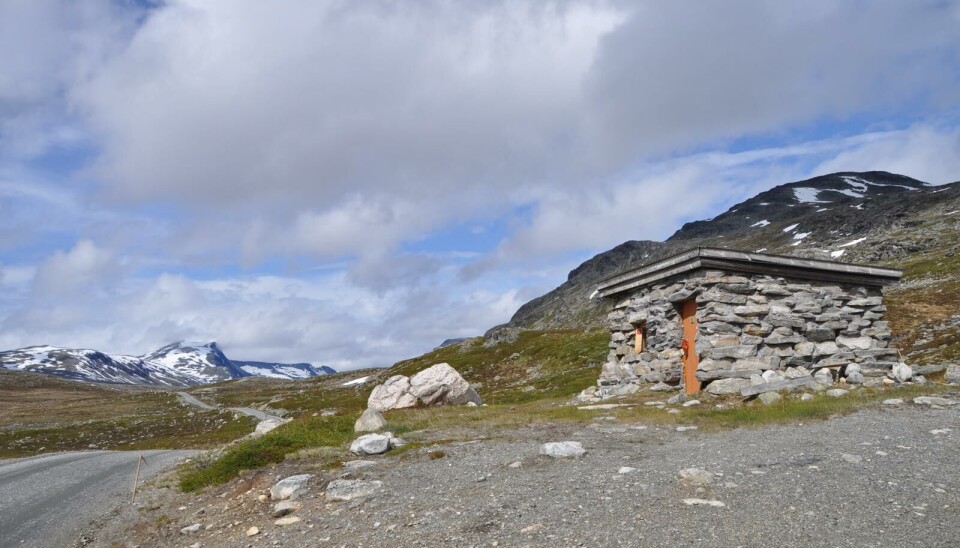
249	411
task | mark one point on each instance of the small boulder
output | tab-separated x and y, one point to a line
370	444
806	397
345	490
287	487
252	532
563	449
289	520
191	529
836	393
901	372
285	507
855	377
769	398
893	402
370	421
696	476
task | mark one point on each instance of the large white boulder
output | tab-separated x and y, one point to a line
440	384
392	394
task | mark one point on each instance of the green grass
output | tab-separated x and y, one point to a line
178	429
270	448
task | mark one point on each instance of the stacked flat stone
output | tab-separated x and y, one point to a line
748	324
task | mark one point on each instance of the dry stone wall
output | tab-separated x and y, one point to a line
749	325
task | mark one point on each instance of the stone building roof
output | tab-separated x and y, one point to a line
742	261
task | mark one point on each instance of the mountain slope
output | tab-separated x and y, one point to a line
177	364
872	217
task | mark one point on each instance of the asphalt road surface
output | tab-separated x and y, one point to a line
47	500
255	413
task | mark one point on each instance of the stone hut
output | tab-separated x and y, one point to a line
724	320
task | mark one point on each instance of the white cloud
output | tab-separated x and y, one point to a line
928	153
83	267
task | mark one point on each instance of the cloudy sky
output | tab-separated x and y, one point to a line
350	183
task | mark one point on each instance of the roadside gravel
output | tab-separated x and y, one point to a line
880	477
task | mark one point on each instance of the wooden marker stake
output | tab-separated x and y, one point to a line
136	480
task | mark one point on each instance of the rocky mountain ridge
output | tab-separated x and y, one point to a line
871	217
177	364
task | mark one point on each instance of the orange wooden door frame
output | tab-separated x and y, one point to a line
688	316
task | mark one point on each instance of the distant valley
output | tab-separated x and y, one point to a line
179	364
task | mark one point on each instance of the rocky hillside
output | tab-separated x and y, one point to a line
873	217
177	364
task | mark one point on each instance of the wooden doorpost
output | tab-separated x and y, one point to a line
688	316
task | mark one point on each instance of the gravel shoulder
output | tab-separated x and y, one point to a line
878	477
48	500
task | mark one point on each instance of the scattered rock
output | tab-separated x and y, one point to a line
837	392
370	421
696	476
823	376
702	502
686	428
933	400
515	464
769	398
289	520
285	507
691	403
940	431
662	387
344	490
268	425
806	397
357	464
952	375
286	487
562	449
852	459
725	387
191	529
626	470
253	531
893	402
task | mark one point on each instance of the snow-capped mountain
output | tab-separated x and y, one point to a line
177	364
861	217
283	370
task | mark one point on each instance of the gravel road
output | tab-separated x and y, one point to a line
879	477
249	411
48	500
